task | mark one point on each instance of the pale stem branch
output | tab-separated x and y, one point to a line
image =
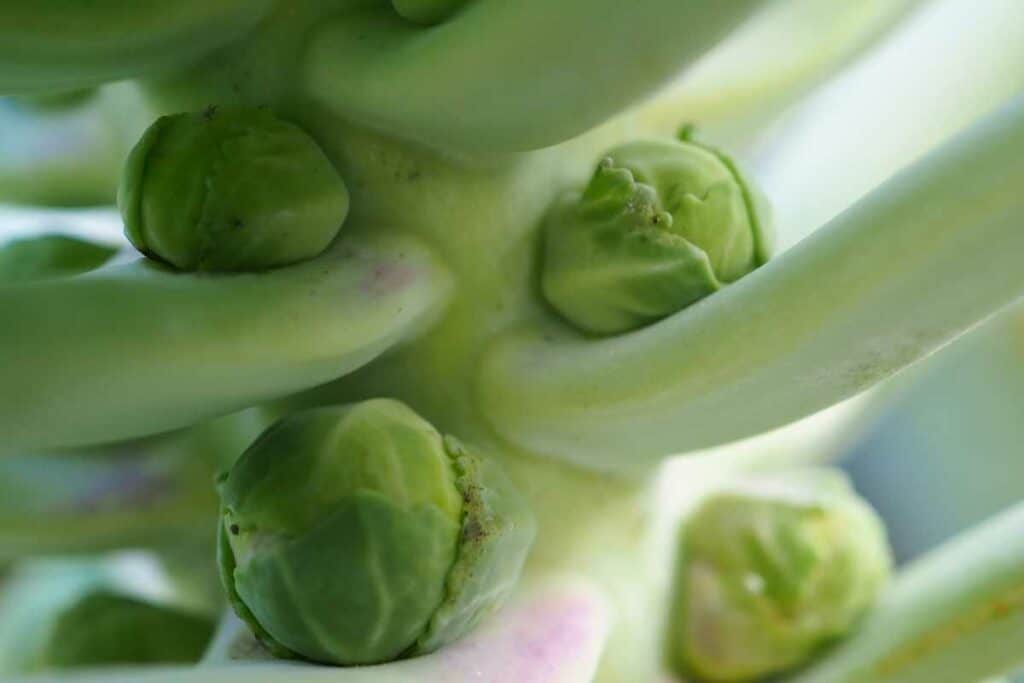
133	350
503	76
50	45
902	272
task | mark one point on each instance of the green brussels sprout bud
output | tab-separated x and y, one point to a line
427	12
358	534
106	628
50	256
769	571
661	225
230	189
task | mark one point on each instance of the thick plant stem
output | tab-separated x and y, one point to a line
889	109
899	274
955	615
52	504
503	76
133	350
66	44
796	45
155	493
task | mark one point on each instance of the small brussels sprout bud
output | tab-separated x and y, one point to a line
358	534
427	12
50	256
661	225
230	189
106	628
769	571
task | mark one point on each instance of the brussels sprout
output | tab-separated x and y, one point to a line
769	571
47	256
662	224
104	627
427	12
358	534
230	189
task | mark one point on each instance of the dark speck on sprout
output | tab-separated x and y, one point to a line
233	529
472	531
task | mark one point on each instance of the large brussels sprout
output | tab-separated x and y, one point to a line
358	534
771	569
662	224
230	189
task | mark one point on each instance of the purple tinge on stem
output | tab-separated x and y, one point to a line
551	634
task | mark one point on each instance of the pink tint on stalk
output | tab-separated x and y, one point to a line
553	634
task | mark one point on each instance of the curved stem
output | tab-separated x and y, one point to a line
133	350
955	615
60	504
908	268
926	82
67	44
504	76
796	45
155	493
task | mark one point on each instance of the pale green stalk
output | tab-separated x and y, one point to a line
156	493
897	275
87	503
955	615
136	349
501	76
927	81
795	45
66	44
